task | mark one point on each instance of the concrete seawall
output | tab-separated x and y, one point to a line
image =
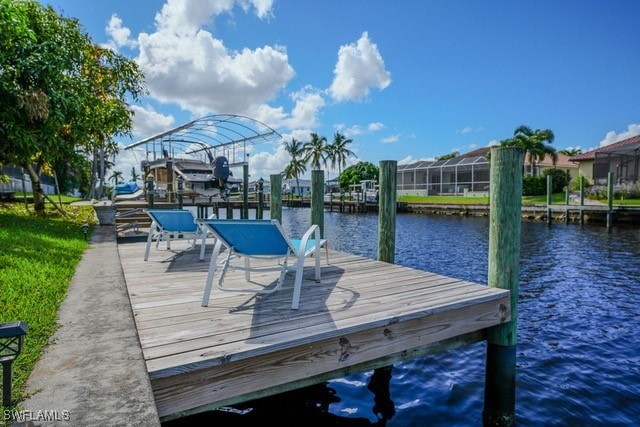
592	214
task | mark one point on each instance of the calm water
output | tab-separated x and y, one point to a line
578	357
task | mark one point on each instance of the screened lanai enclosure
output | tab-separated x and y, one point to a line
621	159
457	176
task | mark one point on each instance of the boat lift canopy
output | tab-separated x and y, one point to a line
217	135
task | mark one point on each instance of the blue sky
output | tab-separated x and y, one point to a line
404	80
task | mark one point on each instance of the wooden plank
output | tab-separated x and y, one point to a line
362	313
192	389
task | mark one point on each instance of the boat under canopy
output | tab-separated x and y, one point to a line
201	153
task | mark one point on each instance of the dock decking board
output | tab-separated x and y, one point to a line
242	346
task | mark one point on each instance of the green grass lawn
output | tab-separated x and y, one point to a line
37	262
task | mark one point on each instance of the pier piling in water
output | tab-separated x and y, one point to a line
275	197
317	199
503	272
582	179
387	211
609	199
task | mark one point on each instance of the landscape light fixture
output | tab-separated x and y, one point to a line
11	342
85	230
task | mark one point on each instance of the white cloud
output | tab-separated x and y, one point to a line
360	67
375	127
148	122
410	159
356	130
468	129
187	65
632	130
308	103
390	139
120	36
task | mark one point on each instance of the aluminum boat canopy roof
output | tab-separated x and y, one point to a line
210	136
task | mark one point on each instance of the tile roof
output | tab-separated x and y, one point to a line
591	155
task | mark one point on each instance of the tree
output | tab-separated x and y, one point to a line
316	150
135	176
451	155
62	96
359	172
116	177
338	153
533	142
571	152
298	164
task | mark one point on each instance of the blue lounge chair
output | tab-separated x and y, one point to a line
264	239
173	224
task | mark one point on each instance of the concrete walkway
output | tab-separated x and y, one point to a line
93	372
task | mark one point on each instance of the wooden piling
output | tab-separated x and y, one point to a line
567	200
317	199
244	213
503	272
582	199
387	211
549	198
275	197
609	199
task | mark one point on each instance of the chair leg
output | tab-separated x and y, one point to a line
212	269
326	249
149	240
203	245
297	287
247	268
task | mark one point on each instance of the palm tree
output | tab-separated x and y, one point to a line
571	152
316	150
533	142
135	176
338	151
116	176
298	163
451	155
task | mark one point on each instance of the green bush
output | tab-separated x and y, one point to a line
534	186
537	185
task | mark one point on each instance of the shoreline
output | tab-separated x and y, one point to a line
592	213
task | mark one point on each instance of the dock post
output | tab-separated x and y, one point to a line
503	272
387	211
275	197
244	213
549	197
567	199
609	199
582	199
317	199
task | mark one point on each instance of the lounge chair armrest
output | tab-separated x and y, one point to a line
315	230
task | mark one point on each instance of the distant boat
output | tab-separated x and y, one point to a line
190	153
199	178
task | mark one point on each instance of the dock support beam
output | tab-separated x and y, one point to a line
503	272
609	199
549	198
244	213
317	199
582	178
275	197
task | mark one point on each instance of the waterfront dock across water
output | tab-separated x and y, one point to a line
363	314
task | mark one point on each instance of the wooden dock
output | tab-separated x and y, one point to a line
363	314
